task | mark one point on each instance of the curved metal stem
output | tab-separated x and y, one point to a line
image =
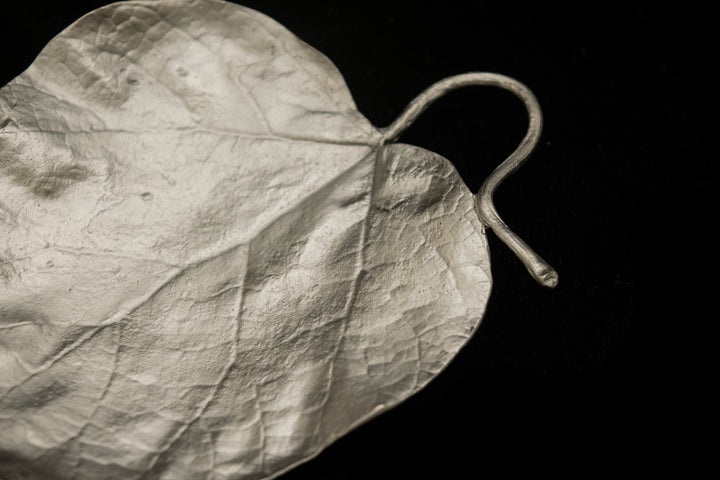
540	270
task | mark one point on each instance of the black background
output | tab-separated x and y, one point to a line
581	375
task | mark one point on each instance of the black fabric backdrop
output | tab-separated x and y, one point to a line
552	378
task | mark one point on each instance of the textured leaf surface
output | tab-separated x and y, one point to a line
210	265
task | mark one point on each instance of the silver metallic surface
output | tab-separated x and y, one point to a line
211	264
540	270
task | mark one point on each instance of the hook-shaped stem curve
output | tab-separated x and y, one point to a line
540	270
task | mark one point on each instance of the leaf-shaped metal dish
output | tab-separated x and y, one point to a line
211	264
